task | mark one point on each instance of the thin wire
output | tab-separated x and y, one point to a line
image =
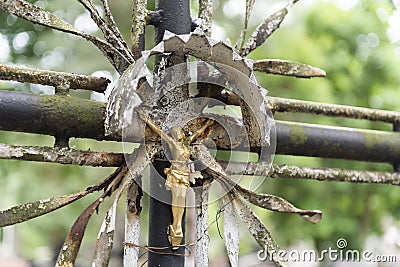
155	249
217	216
144	253
144	262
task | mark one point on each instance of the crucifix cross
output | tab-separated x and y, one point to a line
179	174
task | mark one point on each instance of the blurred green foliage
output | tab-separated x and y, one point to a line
354	46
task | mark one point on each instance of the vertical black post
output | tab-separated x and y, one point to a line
176	19
160	217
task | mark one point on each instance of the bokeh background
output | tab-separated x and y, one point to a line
356	42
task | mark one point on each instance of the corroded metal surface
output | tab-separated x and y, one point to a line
66	116
265	29
61	155
299	106
119	57
319	174
205	16
287	68
201	224
312	140
109	159
53	78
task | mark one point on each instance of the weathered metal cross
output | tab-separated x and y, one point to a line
180	174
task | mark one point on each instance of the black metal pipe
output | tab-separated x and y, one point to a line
59	116
300	139
73	117
160	217
176	19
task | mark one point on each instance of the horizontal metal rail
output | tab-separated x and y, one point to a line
52	115
61	155
62	116
291	105
300	139
319	174
277	104
109	159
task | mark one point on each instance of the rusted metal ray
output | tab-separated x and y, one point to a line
287	68
292	105
38	15
54	78
320	174
277	104
109	159
205	15
61	155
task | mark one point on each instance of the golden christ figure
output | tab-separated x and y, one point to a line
179	174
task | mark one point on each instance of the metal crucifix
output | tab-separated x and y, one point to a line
180	174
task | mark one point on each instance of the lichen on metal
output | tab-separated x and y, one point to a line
61	155
139	15
205	16
299	106
132	224
53	78
110	32
319	174
125	96
265	29
287	68
249	9
38	15
231	231
202	238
